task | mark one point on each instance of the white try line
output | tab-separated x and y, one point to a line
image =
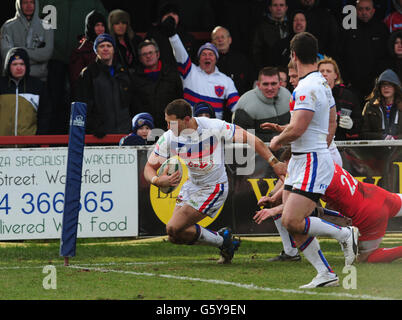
236	284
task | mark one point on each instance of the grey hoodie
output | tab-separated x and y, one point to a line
30	35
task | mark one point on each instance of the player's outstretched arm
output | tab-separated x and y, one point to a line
242	136
264	214
272	126
274	197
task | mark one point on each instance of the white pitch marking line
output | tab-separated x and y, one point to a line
239	285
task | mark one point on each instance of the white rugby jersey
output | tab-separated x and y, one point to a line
216	88
202	150
313	93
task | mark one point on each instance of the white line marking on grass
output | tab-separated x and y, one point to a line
239	285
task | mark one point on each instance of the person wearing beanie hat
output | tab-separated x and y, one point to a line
208	46
205	82
25	108
81	57
105	86
104	47
382	114
203	109
142	123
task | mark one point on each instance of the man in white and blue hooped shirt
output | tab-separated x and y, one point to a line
204	82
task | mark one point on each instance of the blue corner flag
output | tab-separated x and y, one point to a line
72	192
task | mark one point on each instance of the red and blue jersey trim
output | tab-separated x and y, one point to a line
184	68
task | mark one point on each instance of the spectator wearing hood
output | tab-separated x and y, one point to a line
105	87
268	45
119	24
382	114
24	104
142	124
81	57
26	30
70	16
394	19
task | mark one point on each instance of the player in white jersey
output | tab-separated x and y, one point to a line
310	170
199	142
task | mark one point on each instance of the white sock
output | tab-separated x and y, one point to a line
318	227
288	245
312	252
208	237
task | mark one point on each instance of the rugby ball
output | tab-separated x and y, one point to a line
173	165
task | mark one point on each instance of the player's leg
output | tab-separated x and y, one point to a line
290	252
370	252
296	208
182	229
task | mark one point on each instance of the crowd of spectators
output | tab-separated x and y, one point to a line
128	58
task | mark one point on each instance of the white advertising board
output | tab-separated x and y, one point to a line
32	185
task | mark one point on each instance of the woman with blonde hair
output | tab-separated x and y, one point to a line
347	104
382	114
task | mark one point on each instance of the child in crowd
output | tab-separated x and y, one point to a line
143	123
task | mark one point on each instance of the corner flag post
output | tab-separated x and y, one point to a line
72	192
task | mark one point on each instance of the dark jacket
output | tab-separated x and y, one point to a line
238	67
84	54
346	99
375	124
268	46
152	96
81	57
25	107
127	55
323	25
133	140
364	54
108	98
395	63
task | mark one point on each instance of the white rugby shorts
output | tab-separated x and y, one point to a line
205	199
310	172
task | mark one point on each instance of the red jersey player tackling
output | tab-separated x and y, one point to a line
369	206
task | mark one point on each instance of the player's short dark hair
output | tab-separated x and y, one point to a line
269	72
180	108
305	46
